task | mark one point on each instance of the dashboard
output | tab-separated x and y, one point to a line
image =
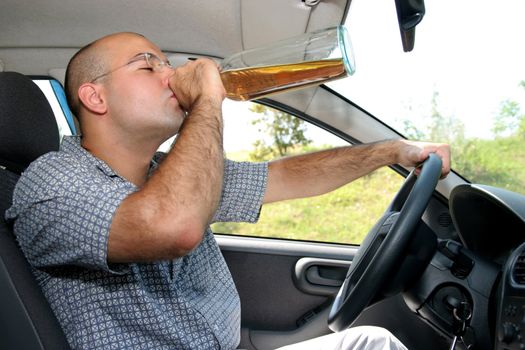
482	268
491	224
490	220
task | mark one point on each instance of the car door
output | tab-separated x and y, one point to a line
289	266
285	287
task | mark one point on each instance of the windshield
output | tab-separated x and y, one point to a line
464	82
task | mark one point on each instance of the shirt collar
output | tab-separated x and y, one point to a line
72	145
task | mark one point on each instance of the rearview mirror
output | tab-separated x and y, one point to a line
409	14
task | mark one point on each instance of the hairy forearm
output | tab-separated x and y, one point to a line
169	215
321	172
191	175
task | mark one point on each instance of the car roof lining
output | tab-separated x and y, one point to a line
223	27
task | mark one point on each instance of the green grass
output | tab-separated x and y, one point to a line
347	214
499	162
344	216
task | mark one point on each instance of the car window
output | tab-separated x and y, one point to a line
56	97
342	216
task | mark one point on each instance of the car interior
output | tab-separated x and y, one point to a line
428	270
27	320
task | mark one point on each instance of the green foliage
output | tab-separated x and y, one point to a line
510	120
342	216
411	131
442	128
499	162
285	131
347	214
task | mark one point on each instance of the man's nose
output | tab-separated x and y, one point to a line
167	73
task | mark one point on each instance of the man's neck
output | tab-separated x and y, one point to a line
132	163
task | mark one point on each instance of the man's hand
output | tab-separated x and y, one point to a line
168	216
413	153
197	80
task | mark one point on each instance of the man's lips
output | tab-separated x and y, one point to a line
173	97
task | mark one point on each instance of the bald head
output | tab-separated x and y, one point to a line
83	66
89	62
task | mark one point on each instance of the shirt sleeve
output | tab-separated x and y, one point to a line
62	215
243	191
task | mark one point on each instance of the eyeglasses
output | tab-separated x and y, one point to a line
153	61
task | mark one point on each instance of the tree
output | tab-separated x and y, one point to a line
411	131
284	130
510	120
480	160
439	128
444	129
490	161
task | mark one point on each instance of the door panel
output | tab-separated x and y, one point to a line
280	285
276	309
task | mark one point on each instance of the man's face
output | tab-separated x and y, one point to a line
139	99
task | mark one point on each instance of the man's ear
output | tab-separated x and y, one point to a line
90	95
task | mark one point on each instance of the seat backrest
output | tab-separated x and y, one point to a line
28	129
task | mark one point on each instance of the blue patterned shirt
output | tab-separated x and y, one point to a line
62	210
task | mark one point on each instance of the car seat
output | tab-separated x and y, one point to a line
28	129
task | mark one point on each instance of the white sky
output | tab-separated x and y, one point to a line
240	134
471	52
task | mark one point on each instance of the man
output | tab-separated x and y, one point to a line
119	243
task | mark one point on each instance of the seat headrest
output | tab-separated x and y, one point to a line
28	127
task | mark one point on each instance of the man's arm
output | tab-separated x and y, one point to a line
321	172
169	215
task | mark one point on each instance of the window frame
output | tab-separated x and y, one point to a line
329	129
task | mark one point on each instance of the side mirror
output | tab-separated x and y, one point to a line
409	14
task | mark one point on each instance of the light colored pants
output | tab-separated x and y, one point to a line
357	338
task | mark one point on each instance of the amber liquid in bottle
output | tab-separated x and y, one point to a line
250	83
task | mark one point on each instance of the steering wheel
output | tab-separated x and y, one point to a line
384	246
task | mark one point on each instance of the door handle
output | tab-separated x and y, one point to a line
316	275
320	276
